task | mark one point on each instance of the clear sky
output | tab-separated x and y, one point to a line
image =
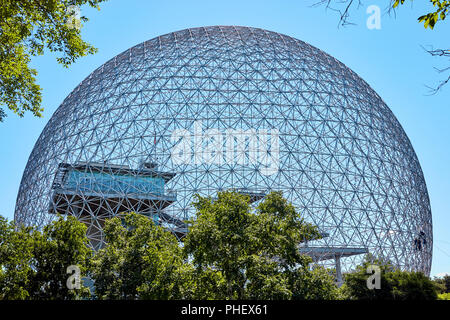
391	60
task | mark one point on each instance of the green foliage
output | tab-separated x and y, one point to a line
316	284
395	284
16	253
140	261
446	281
61	244
255	252
430	19
444	296
231	252
442	284
200	284
29	27
33	264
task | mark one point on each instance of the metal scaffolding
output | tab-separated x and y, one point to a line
336	150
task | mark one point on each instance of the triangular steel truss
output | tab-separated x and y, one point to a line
344	160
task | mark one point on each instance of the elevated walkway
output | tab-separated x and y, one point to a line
321	253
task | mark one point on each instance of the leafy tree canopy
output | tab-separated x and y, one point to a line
33	264
444	296
429	20
28	27
255	251
61	244
395	284
140	261
443	283
231	252
16	253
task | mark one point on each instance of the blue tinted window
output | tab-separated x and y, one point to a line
113	183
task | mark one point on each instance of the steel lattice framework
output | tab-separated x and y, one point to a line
343	158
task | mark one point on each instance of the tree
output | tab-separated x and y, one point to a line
395	284
28	27
443	283
446	279
429	19
230	252
140	261
34	263
16	253
61	244
444	296
254	251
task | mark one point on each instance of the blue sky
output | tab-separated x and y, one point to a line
391	60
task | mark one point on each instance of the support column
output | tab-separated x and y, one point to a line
337	260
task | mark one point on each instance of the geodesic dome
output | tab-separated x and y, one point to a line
209	109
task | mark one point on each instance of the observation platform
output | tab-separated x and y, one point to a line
321	253
327	253
93	192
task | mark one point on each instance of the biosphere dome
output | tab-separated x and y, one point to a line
225	107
